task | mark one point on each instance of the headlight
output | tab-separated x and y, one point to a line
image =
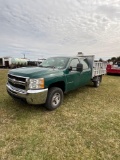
36	83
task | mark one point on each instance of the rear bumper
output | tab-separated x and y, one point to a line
31	96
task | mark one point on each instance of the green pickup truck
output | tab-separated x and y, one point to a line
47	83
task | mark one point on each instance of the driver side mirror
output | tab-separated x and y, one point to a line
79	67
70	68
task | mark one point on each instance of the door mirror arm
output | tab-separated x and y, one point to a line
70	68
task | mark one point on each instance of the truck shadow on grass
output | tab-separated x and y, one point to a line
16	104
79	91
22	106
113	75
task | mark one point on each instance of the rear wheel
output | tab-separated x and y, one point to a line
97	82
54	98
100	78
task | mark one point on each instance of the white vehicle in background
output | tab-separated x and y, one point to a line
5	62
9	62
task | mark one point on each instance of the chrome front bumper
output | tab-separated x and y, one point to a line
31	96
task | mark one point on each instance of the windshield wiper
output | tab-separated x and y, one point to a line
40	66
49	66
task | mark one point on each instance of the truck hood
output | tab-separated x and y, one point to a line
33	72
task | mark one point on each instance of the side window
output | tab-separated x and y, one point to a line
85	65
74	63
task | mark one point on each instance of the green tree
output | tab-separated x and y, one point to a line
100	60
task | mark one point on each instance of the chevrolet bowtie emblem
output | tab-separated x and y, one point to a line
14	81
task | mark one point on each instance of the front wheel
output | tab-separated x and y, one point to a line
54	98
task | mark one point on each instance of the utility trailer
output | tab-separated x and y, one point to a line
9	62
5	62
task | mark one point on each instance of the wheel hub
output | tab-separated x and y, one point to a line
56	99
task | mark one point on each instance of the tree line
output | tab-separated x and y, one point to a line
113	59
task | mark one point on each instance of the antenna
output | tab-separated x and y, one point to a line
24	55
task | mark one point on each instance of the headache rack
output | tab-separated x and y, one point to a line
98	68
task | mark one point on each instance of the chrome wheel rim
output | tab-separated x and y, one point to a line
98	83
56	99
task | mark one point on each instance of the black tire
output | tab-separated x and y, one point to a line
100	78
97	82
54	98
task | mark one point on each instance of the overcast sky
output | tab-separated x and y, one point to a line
43	28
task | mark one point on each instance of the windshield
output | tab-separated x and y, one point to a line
55	62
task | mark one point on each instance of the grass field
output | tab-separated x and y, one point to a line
85	127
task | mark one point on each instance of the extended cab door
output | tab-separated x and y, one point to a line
86	74
73	76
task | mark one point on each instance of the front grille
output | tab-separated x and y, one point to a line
17	82
17	78
16	85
